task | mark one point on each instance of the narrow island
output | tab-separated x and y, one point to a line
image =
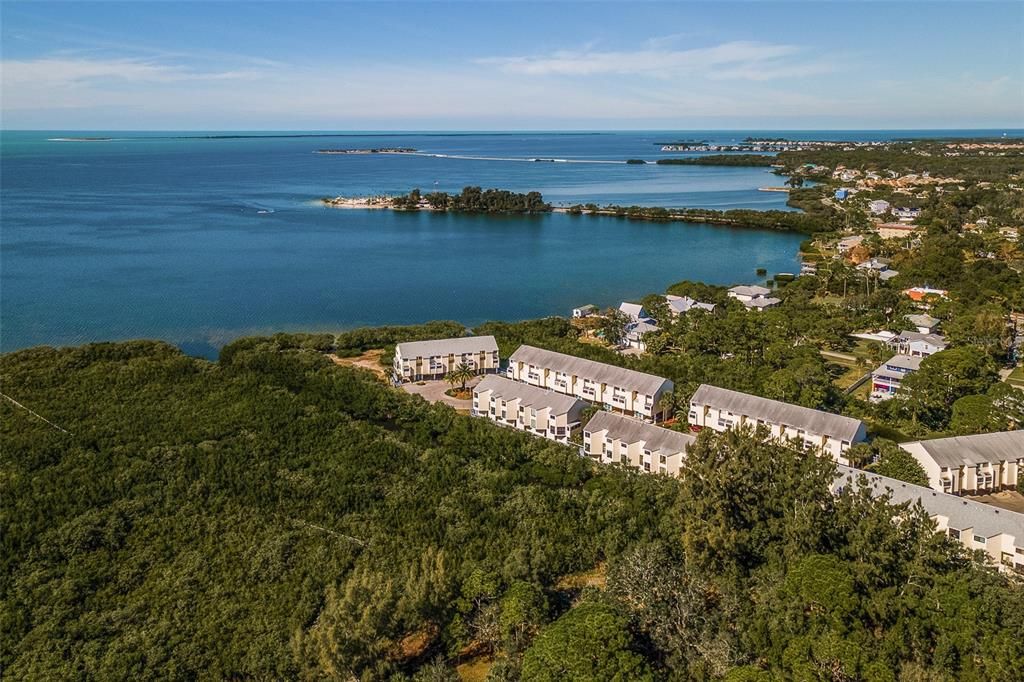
470	200
381	150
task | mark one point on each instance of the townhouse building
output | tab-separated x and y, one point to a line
721	409
416	360
609	438
971	465
615	388
538	411
977	526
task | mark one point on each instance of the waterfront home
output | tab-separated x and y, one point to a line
584	311
887	378
879	206
416	360
971	465
847	243
918	345
721	409
634	311
895	230
754	297
609	438
538	411
977	526
679	305
925	324
616	388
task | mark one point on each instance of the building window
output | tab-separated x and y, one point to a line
979	539
954	533
662	459
647	466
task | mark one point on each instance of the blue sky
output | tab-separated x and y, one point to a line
435	65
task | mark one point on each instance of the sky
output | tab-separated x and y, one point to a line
515	65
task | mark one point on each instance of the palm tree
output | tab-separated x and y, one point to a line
666	404
463	372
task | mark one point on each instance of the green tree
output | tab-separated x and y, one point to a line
943	378
590	642
613	327
895	462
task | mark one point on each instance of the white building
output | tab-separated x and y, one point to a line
634	311
888	377
535	410
754	297
679	305
971	465
416	360
584	311
879	266
609	438
721	409
977	526
616	388
879	206
916	344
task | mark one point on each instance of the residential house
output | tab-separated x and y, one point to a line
971	465
977	526
609	438
721	409
887	378
634	311
879	206
918	345
895	230
908	214
880	266
847	243
754	297
636	331
584	311
678	305
416	360
616	388
535	410
923	294
925	324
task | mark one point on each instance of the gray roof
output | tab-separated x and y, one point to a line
766	302
589	369
537	398
922	320
985	447
961	513
463	344
629	430
634	310
753	290
934	339
907	362
776	412
589	306
683	304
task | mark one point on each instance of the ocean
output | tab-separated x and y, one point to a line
199	238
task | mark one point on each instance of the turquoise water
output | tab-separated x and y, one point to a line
198	241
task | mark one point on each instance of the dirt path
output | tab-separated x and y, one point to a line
369	360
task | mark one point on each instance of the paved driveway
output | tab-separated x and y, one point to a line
433	391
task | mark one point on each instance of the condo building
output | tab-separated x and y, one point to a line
416	360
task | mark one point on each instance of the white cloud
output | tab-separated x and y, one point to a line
70	71
740	59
